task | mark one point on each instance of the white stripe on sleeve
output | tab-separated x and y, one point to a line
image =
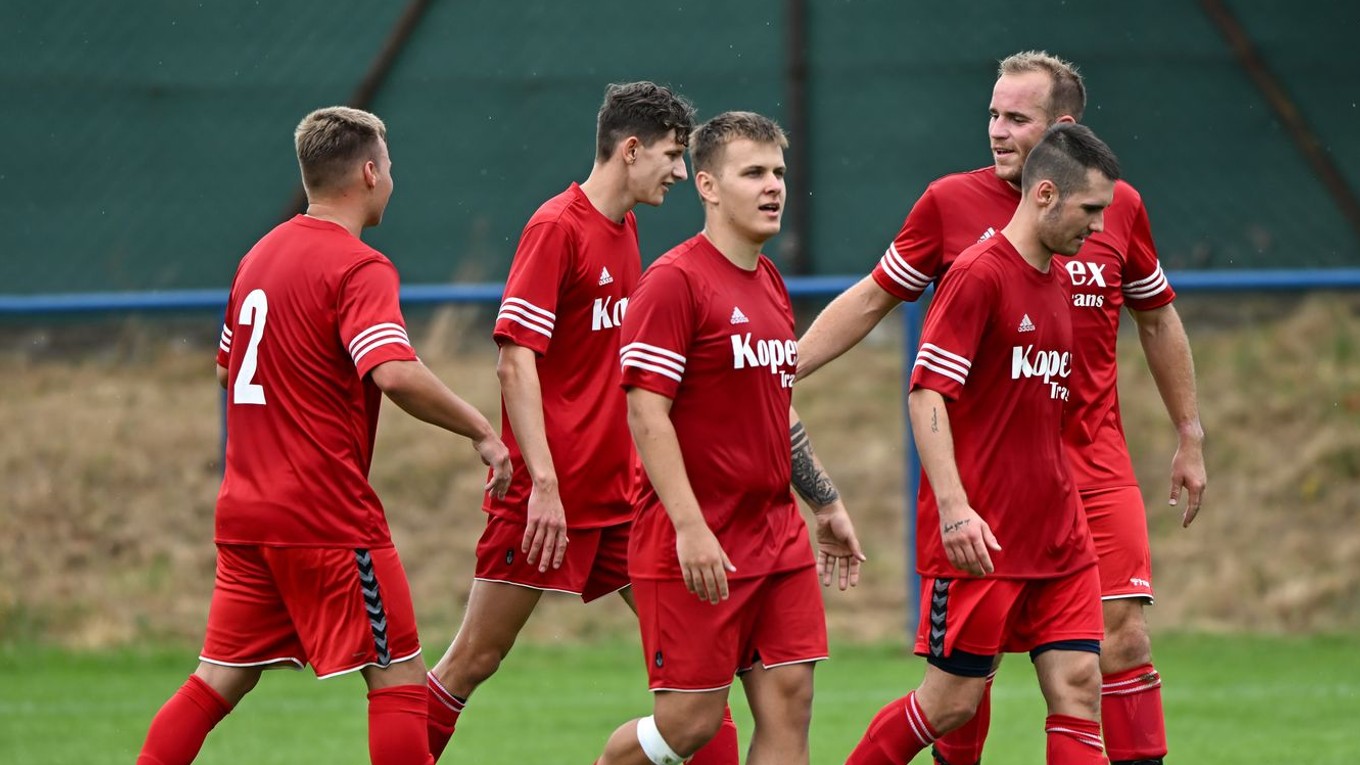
376	336
653	359
942	362
897	268
526	319
1146	287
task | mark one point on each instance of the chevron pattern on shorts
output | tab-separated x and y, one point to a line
939	611
377	617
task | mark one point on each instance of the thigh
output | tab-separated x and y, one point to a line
1118	521
609	566
788	623
351	607
1070	682
501	559
248	622
689	644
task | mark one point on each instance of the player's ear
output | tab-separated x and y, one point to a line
370	174
1045	192
707	186
1066	119
628	149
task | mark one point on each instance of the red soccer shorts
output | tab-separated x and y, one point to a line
338	609
692	645
595	565
1118	524
990	616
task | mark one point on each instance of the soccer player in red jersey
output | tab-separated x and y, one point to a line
988	390
564	416
724	577
1116	268
306	570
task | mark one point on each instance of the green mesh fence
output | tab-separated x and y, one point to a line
148	144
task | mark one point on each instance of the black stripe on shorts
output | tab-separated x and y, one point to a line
939	612
377	617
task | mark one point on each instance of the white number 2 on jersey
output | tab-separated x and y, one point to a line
253	311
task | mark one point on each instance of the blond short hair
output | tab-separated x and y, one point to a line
329	141
1068	94
707	142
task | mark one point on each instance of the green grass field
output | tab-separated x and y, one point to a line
1229	699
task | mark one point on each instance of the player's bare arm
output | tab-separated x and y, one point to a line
1167	349
545	532
837	545
414	388
967	538
222	376
842	324
703	562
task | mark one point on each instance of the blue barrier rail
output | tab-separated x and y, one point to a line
1273	280
1281	280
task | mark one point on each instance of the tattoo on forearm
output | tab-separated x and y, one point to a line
949	528
934	420
811	482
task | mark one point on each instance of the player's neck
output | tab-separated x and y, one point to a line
740	250
1026	241
350	220
607	191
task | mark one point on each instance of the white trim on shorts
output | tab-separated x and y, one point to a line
298	664
368	664
530	586
692	690
752	666
1129	596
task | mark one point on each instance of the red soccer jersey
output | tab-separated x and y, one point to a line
312	311
956	212
998	346
1116	267
576	267
718	341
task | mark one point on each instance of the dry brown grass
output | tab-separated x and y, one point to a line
109	461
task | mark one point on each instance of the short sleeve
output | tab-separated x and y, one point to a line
913	259
528	310
658	330
370	320
224	342
952	332
1145	285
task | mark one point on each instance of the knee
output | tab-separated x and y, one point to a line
469	666
1078	689
685	734
951	712
1127	644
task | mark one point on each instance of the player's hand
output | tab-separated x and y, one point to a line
495	455
1187	471
837	546
703	562
545	533
967	541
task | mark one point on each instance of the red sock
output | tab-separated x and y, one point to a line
396	726
1131	714
178	730
444	709
1073	741
723	748
897	733
963	745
